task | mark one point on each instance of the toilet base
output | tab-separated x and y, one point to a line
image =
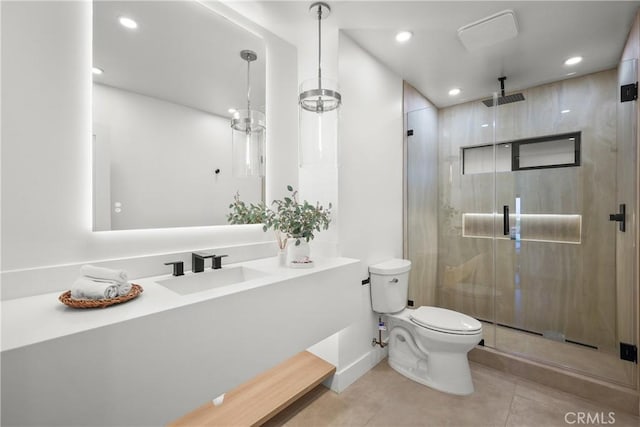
461	385
436	364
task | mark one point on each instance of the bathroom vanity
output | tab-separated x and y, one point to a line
152	359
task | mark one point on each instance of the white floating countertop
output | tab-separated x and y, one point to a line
39	318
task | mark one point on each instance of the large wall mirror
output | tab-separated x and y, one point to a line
161	119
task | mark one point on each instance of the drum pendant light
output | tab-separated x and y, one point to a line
248	132
319	102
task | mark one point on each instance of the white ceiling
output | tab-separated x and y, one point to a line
181	52
434	60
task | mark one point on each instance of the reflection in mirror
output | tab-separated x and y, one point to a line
161	114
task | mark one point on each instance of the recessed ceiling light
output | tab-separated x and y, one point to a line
128	22
484	125
565	111
571	73
573	60
231	110
455	91
97	71
403	36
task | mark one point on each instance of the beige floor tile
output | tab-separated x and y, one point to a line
625	420
565	412
566	402
550	396
398	414
526	412
384	398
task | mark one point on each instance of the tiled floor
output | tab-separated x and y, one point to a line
383	397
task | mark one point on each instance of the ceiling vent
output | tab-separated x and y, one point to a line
489	31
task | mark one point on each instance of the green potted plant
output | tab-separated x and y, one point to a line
289	219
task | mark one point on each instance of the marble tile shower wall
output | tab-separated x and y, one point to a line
540	286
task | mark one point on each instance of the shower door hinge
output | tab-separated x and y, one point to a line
629	92
410	132
629	352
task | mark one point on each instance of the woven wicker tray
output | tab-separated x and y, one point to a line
66	299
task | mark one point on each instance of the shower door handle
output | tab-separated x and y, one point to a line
505	220
620	217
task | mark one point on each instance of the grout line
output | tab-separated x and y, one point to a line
379	408
513	398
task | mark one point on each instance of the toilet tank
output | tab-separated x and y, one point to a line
389	285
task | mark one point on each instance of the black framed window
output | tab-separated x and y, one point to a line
553	151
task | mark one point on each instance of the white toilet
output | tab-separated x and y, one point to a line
428	344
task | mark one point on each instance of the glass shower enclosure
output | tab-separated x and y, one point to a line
525	220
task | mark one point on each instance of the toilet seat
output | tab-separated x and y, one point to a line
446	321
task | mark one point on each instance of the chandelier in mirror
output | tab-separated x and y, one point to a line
319	102
248	132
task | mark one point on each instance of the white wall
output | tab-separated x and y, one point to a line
370	176
366	187
369	193
369	179
179	186
46	128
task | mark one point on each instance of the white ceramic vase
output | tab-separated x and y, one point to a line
297	252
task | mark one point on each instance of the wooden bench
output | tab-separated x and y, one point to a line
259	399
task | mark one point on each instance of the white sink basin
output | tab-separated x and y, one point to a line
209	279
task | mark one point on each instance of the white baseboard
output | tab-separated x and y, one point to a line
350	374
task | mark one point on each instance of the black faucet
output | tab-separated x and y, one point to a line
178	267
217	261
197	262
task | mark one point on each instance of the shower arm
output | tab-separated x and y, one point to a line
502	79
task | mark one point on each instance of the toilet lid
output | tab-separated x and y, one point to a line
443	320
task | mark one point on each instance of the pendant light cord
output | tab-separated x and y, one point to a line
319	46
248	85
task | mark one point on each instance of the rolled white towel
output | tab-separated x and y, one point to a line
112	282
102	273
84	288
124	288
